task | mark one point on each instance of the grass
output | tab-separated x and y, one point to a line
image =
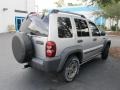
117	33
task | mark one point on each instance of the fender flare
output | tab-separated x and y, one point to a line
108	42
65	54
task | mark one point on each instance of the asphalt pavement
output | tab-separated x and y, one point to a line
95	75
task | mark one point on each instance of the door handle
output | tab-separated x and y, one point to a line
94	39
79	41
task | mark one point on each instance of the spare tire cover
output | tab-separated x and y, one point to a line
22	47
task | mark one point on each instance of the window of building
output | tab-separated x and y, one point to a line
82	28
18	22
64	27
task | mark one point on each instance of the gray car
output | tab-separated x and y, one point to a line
59	42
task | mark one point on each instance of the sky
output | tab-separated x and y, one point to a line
45	4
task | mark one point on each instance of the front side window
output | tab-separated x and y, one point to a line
82	28
64	27
94	29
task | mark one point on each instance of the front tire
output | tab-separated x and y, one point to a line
71	69
105	52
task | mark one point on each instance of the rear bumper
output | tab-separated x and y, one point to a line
47	66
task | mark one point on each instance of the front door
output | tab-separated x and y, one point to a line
84	37
96	38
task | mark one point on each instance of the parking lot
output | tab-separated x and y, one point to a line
95	75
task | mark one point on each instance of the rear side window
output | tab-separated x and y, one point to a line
64	27
82	28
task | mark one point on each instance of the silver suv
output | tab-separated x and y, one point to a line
59	42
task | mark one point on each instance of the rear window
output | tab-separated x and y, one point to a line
36	24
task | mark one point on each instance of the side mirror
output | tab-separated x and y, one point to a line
103	33
96	33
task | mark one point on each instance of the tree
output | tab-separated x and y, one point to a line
110	9
113	11
104	3
101	3
60	3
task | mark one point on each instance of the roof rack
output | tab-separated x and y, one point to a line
57	11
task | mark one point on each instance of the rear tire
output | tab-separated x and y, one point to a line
71	69
105	52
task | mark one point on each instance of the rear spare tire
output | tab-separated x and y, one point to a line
22	47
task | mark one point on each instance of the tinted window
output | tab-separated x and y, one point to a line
82	28
94	29
64	27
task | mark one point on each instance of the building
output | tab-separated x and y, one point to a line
13	12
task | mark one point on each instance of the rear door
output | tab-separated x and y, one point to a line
37	28
40	29
62	33
39	46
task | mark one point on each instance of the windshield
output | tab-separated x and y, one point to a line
36	24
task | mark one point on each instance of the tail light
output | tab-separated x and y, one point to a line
50	49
